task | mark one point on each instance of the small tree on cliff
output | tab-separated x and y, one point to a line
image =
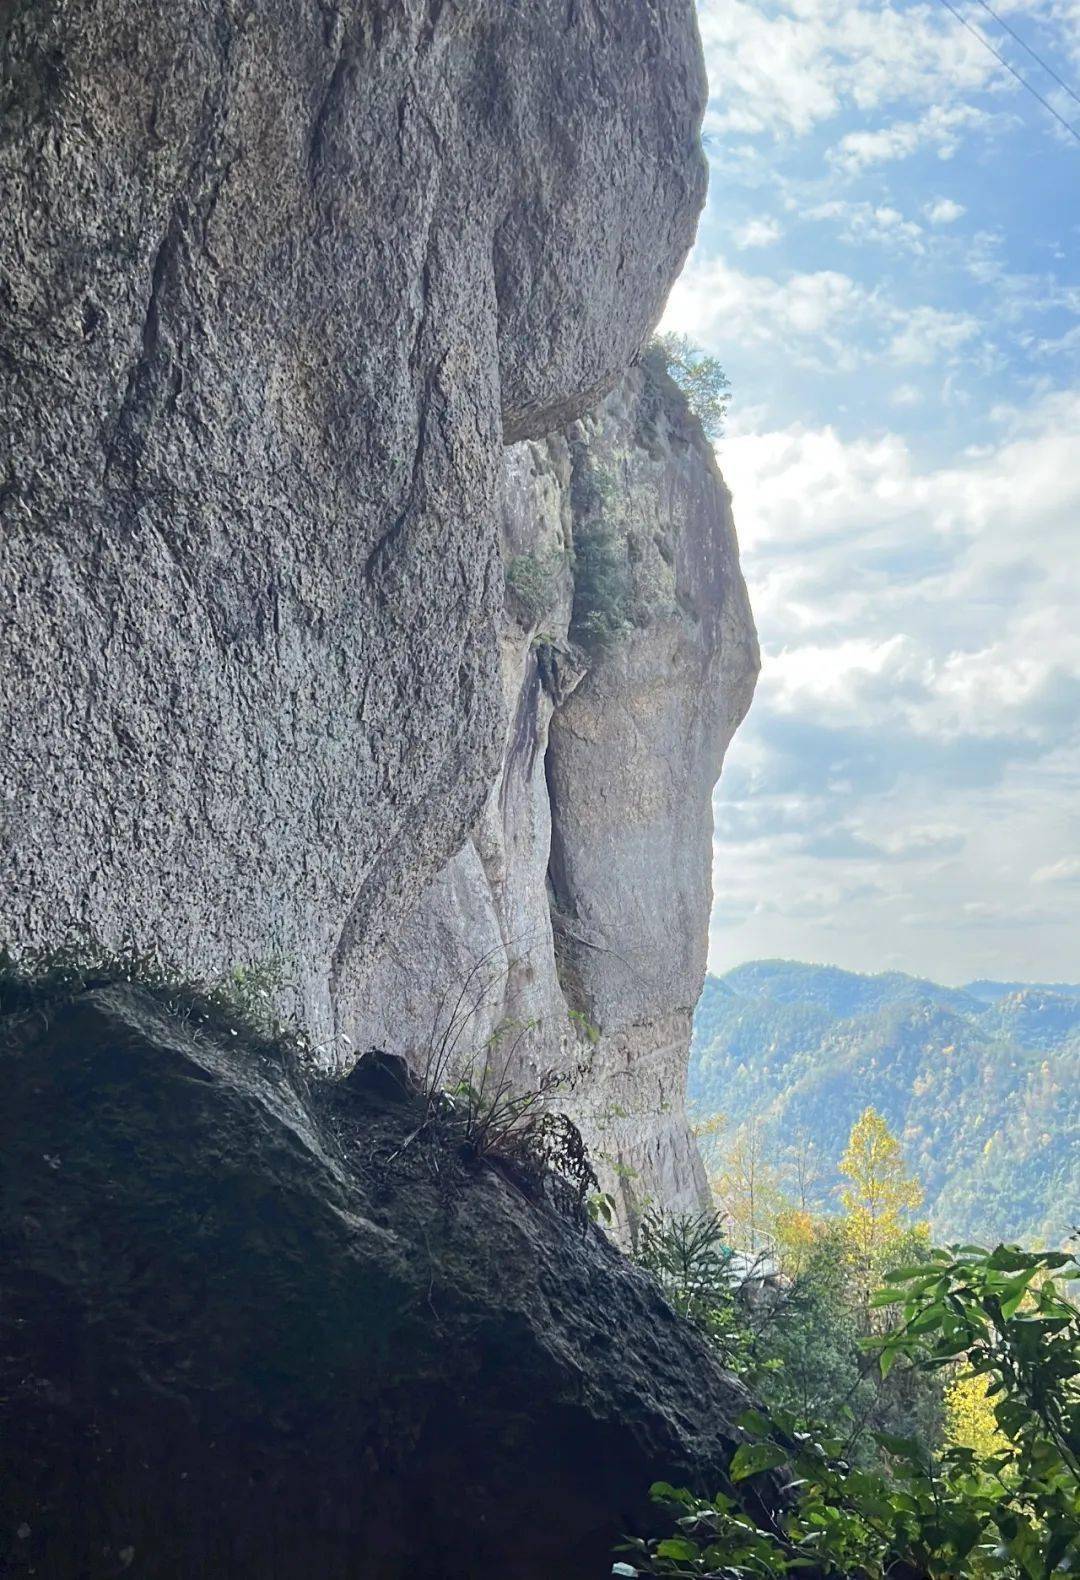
699	376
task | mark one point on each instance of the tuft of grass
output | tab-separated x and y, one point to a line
241	1005
473	1102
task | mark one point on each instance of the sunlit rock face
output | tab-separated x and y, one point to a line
278	280
568	936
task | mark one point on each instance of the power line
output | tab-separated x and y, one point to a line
985	42
1000	20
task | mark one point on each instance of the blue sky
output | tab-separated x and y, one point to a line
889	269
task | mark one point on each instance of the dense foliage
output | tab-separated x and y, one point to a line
981	1085
1006	1505
533	582
603	585
785	1294
919	1409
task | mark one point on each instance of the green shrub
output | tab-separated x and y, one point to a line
533	582
477	1108
603	588
1010	1510
603	583
699	376
689	1257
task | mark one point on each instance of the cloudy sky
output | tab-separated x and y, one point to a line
889	269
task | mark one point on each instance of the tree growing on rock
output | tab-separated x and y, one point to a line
699	376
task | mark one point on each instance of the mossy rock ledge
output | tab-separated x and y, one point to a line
250	1328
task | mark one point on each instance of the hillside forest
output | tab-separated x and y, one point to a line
980	1085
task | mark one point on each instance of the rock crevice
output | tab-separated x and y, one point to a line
575	917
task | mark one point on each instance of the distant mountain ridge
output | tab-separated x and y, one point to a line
981	1083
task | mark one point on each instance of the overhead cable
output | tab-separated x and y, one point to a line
985	42
1050	72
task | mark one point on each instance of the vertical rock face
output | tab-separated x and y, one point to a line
277	280
568	935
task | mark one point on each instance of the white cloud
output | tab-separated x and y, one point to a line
866	222
905	395
1067	870
824	319
757	233
813	310
830	679
929	335
921	657
940	129
923	841
784	66
943	211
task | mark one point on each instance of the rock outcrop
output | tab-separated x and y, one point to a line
567	937
359	609
262	1328
278	280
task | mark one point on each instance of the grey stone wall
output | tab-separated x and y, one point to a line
277	280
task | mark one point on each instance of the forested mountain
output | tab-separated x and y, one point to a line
981	1083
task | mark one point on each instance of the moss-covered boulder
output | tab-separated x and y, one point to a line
253	1325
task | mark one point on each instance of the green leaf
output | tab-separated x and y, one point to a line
1011	1259
1062	1536
664	1492
905	1448
677	1547
1014	1293
927	1320
752	1458
754	1423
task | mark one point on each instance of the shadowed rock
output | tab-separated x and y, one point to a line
259	1328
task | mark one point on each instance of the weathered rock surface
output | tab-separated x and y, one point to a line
277	280
569	934
254	1328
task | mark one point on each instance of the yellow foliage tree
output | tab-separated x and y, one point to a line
794	1234
881	1189
969	1418
747	1188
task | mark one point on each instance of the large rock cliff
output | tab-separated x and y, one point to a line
278	280
364	605
566	939
333	631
